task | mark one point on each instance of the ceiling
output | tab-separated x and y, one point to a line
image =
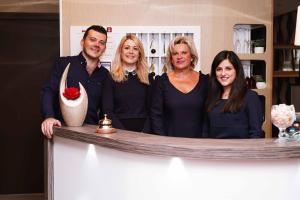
280	6
30	6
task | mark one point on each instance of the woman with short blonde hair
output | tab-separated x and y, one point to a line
182	40
179	95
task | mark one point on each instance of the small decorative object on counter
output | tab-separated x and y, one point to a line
73	102
283	116
105	126
71	93
294	130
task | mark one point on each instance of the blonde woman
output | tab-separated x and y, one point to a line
179	95
126	96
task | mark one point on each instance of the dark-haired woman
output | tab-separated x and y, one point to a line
233	111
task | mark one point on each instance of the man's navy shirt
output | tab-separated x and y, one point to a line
77	73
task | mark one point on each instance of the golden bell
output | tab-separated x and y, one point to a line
105	126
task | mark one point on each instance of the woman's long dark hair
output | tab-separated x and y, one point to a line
238	88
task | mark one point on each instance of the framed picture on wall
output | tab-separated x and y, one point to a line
155	40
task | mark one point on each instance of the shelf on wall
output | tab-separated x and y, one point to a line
285	74
285	46
254	56
246	37
262	92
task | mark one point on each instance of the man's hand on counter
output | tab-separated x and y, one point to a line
47	126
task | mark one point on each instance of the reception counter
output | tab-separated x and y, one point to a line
127	166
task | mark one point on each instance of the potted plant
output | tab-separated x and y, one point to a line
260	83
259	45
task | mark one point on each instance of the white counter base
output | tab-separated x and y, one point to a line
85	171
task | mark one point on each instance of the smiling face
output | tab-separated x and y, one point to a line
225	74
181	57
130	53
94	44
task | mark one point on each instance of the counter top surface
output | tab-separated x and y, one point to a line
212	149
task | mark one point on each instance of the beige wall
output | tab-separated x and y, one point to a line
216	18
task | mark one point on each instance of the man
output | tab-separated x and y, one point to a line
84	68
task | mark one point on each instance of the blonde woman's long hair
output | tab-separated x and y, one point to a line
182	40
117	71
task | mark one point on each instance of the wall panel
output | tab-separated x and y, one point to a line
216	18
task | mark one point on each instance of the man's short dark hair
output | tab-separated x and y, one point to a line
99	29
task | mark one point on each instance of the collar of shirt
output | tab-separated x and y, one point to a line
83	61
127	73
